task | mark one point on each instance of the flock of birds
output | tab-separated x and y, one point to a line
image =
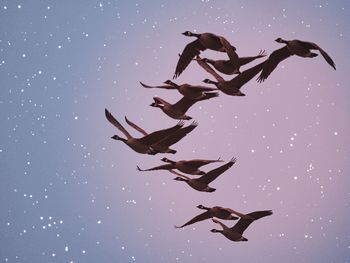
160	141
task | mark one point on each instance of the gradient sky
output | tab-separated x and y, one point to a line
71	194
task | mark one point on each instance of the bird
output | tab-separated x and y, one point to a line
226	67
205	41
179	109
216	211
202	183
162	146
231	87
187	90
292	47
188	167
235	233
143	144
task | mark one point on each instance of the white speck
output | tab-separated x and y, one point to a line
19	6
252	150
54	78
101	5
278	188
76	117
133	258
5	7
59	46
99	222
66	248
295	177
48	7
53	254
291	145
83	251
335	133
23	55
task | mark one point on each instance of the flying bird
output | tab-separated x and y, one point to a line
216	211
146	143
179	109
187	90
188	167
205	41
235	233
292	47
231	87
226	67
202	183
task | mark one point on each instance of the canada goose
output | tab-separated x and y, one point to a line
142	145
231	87
293	47
226	67
235	233
205	41
188	167
169	138
216	211
201	183
187	90
178	110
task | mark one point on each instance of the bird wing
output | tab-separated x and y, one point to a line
198	162
160	167
201	88
135	126
190	51
178	174
246	60
112	120
271	63
311	45
230	52
210	70
243	223
241	79
158	87
178	135
213	174
156	136
185	103
203	216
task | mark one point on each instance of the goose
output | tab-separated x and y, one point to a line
187	90
235	233
179	109
202	183
142	145
226	67
205	41
216	211
169	138
292	47
188	167
231	87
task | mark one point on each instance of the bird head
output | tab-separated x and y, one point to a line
279	40
201	206
187	33
215	231
169	82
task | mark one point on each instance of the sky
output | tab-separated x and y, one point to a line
69	193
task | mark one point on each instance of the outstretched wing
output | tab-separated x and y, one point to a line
185	103
243	224
156	136
178	135
203	216
190	51
234	59
160	167
158	87
241	79
112	120
271	63
246	60
213	174
209	69
311	45
198	162
135	126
